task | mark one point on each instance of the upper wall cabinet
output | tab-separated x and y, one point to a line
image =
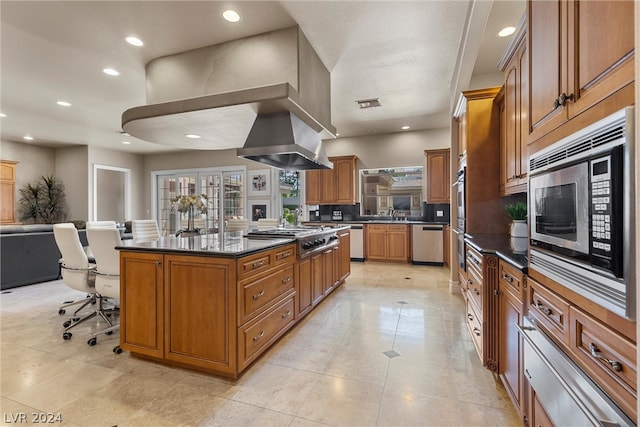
580	53
513	113
438	174
335	186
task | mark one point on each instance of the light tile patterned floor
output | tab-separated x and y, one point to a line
389	348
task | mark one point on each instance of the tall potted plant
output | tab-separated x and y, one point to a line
518	213
43	202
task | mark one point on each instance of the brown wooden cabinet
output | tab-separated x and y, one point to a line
511	309
580	53
7	191
142	303
438	176
446	246
200	319
332	186
210	313
513	113
387	242
484	210
482	306
344	258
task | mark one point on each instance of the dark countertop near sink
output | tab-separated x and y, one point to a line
502	246
378	221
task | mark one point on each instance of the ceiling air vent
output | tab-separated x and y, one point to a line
368	103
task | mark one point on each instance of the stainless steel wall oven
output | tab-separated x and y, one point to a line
582	212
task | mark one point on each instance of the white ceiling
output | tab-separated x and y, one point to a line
403	52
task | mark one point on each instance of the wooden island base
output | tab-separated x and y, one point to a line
219	313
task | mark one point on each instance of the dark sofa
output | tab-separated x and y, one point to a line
29	254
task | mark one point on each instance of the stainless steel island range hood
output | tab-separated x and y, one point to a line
268	96
284	141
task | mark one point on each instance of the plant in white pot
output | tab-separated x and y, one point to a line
518	213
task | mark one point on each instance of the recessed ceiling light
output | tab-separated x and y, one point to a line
3	115
63	103
126	142
110	71
28	137
506	31
192	136
133	40
405	127
231	15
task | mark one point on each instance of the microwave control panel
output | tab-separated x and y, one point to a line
604	210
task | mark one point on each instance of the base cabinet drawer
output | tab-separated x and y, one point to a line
474	324
258	293
256	336
550	310
608	358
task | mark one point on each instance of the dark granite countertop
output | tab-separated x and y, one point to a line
229	245
512	250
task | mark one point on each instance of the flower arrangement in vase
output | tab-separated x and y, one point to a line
190	205
518	213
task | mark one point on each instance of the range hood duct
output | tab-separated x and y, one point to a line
284	141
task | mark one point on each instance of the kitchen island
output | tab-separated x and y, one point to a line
213	303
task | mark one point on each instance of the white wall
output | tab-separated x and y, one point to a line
72	167
34	161
120	159
390	150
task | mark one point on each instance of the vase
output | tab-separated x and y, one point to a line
519	228
191	230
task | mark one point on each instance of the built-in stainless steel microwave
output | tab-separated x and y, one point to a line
581	212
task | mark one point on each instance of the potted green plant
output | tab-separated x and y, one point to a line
518	213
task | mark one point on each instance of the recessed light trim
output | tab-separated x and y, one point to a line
111	71
134	41
3	115
192	136
28	137
231	15
506	31
405	127
63	103
126	142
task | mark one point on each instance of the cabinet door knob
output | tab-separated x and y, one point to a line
564	98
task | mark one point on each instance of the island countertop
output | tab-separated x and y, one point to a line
229	245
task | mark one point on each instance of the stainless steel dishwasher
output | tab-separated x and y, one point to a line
357	242
427	244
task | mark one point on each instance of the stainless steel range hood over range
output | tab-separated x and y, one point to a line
274	82
286	142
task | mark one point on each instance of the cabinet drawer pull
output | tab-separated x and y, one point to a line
477	291
284	255
258	295
286	280
476	331
470	316
615	365
507	278
542	308
258	263
287	314
260	335
158	262
469	282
